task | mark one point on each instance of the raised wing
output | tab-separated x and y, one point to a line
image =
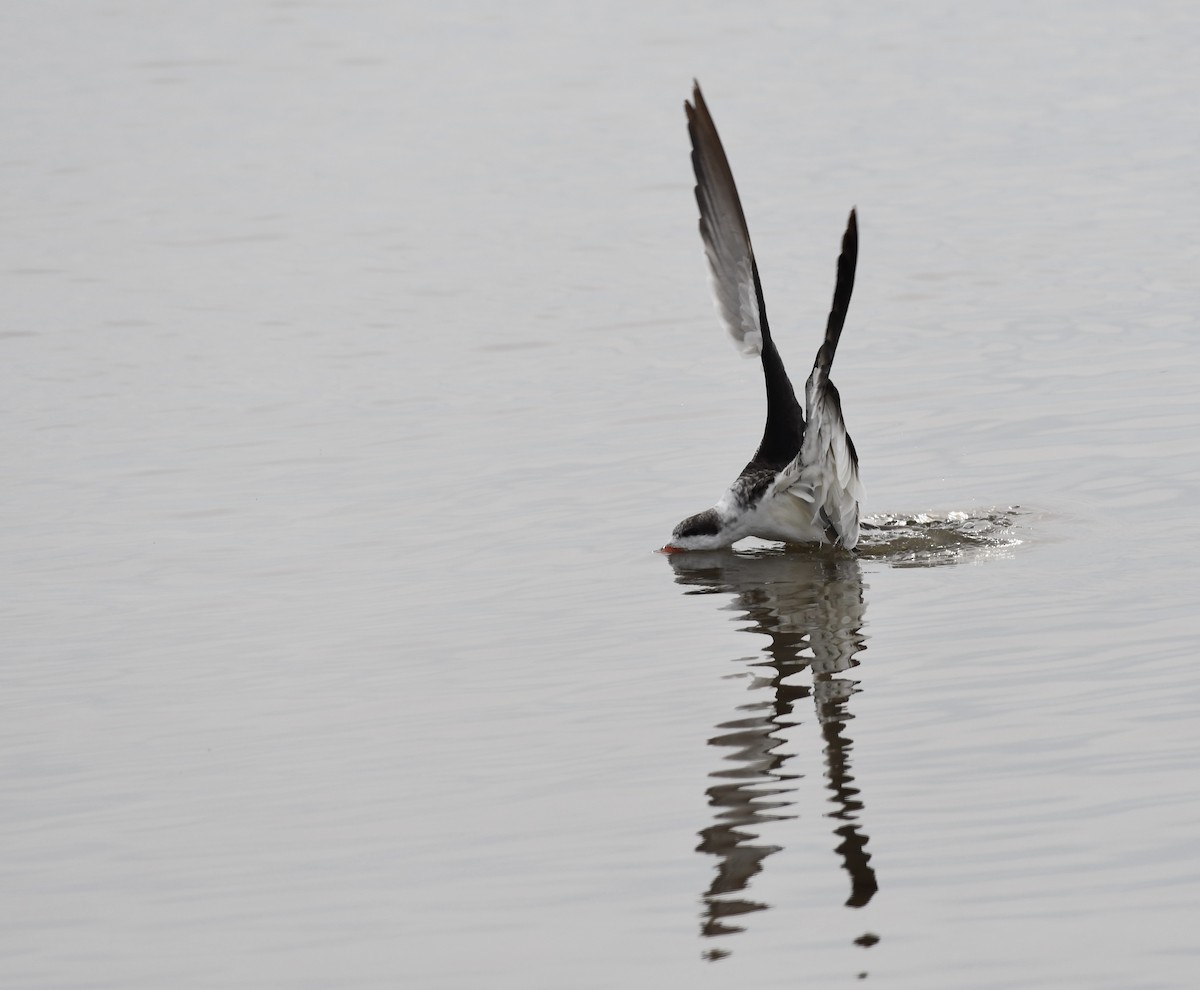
825	472
733	273
737	290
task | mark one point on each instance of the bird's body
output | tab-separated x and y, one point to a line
802	484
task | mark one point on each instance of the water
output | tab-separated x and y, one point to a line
357	356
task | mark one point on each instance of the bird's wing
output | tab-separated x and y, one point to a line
733	273
825	472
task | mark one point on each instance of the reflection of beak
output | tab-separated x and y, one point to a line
670	549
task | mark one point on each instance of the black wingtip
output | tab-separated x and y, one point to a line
846	264
696	105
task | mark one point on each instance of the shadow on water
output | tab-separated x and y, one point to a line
810	605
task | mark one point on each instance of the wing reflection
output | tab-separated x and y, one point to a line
810	605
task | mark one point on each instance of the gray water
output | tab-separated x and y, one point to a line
357	356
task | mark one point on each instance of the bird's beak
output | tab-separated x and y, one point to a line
670	549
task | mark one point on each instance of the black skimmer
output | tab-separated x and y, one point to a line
802	484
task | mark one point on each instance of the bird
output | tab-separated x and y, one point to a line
802	484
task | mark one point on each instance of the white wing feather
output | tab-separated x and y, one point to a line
732	284
825	472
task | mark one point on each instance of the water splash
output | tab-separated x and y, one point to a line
931	539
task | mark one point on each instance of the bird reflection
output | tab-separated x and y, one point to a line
810	605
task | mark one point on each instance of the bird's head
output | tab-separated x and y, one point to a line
703	531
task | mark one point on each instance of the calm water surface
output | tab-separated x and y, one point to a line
355	359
